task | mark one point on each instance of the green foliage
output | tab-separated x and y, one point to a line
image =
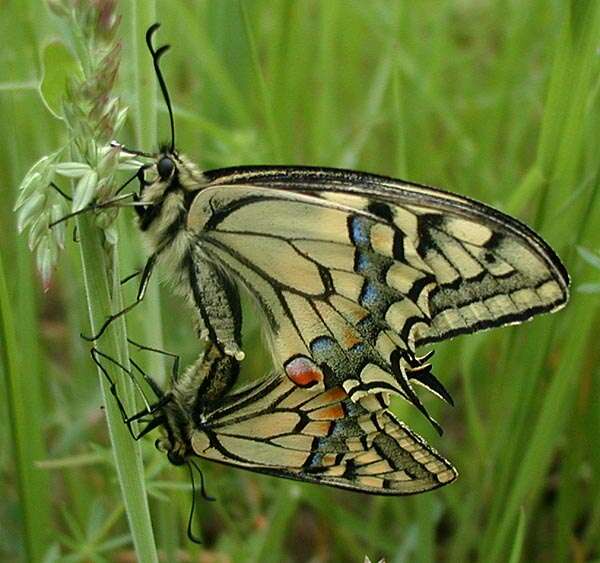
495	100
58	67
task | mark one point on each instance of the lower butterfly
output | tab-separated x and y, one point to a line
277	428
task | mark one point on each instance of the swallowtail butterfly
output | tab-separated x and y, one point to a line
352	272
275	427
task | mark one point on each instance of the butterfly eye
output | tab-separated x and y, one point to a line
165	167
175	458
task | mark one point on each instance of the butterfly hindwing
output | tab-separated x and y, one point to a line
322	437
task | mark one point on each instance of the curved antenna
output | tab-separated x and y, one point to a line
191	466
203	492
156	55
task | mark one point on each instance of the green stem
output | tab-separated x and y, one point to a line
142	15
265	94
97	271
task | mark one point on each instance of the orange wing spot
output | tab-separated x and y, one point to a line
335	394
351	338
304	372
328	413
324	399
353	310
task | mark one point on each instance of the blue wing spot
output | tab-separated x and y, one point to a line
363	262
322	345
317	460
369	296
359	228
358	349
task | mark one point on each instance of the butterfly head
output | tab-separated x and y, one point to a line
165	187
175	454
174	428
170	172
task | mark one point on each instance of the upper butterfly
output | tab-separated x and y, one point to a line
351	271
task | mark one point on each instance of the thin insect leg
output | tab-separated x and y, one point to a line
138	386
154	423
136	175
139	416
148	379
54	186
176	357
149	409
130	277
113	202
145	420
140	296
68	198
95	353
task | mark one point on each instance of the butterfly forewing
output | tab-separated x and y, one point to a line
489	268
322	437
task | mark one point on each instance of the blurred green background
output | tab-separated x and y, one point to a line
497	100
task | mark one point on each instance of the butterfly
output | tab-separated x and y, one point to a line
351	272
274	427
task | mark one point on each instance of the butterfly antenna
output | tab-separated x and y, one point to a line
156	55
191	466
203	492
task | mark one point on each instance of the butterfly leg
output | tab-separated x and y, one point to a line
146	273
130	277
60	192
176	358
149	409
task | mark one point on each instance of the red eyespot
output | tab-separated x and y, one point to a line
303	372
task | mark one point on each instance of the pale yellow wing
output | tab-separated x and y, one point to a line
323	437
353	271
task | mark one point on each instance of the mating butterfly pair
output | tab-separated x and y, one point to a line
351	272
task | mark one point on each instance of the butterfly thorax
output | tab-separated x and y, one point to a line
176	429
168	189
170	196
197	392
